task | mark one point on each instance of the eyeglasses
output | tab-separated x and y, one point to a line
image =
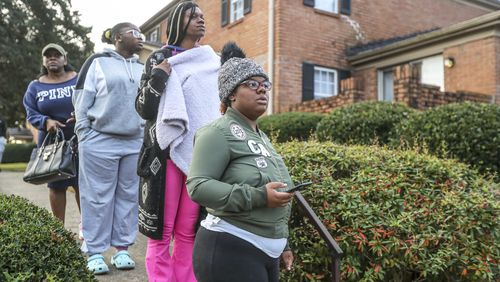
254	84
135	33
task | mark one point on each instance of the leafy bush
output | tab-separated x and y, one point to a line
469	132
34	246
292	125
362	123
397	215
17	153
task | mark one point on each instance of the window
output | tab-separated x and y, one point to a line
321	82
236	10
233	10
331	6
327	5
325	82
386	85
153	35
432	71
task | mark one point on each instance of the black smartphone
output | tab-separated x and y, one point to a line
299	187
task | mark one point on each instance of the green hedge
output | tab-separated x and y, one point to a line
397	215
362	123
288	126
17	153
34	246
469	132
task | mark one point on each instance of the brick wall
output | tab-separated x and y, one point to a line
407	90
407	85
369	81
304	34
250	32
350	93
476	67
389	18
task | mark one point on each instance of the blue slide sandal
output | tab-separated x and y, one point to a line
122	260
96	264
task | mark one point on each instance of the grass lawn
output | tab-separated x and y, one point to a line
13	167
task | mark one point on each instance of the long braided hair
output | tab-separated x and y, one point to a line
175	29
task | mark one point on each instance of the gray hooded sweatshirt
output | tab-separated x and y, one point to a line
104	97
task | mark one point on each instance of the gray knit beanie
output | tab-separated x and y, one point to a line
235	69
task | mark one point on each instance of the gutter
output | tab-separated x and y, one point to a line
489	5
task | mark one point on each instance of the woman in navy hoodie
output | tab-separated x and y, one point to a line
110	136
48	107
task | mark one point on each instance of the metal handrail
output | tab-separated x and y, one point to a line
335	250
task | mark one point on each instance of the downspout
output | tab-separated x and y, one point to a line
270	52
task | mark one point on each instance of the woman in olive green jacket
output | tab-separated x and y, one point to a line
239	177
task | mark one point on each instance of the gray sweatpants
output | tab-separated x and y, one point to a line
108	191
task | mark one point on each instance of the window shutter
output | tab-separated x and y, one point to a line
343	74
224	5
247	6
307	81
309	3
345	7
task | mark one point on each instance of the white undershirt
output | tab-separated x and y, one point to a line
272	247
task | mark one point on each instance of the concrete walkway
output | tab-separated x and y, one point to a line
12	183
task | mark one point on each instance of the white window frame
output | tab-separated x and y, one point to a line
381	89
317	92
236	10
320	5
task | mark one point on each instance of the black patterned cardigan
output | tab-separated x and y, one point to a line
152	160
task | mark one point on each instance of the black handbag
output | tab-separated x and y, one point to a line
55	160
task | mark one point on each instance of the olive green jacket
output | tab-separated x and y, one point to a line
231	166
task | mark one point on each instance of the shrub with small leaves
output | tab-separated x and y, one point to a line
17	153
34	246
289	126
469	132
397	215
362	123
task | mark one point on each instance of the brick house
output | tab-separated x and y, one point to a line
325	53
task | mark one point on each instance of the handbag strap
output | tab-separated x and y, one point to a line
49	140
73	143
59	132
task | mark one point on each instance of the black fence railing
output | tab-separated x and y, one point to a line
335	250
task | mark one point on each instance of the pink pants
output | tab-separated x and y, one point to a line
180	216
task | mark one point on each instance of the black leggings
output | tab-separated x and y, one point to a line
221	257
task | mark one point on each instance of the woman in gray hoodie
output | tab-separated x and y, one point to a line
109	131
